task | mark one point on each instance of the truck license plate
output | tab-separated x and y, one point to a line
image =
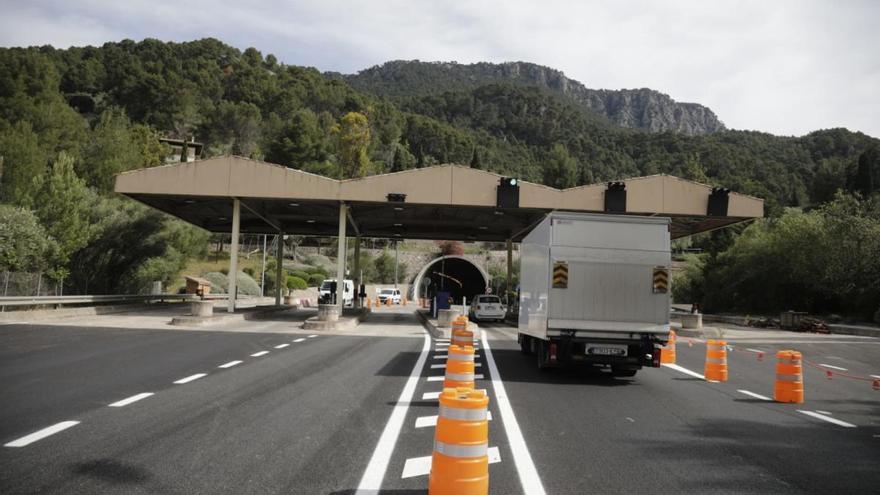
606	350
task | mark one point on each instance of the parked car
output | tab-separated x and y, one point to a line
487	308
385	294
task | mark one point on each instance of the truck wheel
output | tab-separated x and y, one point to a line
623	373
525	344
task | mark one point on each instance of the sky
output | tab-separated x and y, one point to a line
783	66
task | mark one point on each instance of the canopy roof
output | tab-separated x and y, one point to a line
441	202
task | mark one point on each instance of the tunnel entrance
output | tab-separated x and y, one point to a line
454	274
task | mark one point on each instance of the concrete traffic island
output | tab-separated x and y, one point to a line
202	314
329	319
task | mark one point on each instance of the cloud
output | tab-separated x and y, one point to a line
786	67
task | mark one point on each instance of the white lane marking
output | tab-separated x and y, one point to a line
281	346
441	340
823	412
832	367
431	396
190	378
876	376
522	459
258	354
440	356
752	394
297	341
230	364
371	482
416	466
826	418
312	336
421	466
426	421
442	366
133	398
39	435
441	344
684	370
755	350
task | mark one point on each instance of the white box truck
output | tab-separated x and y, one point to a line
595	289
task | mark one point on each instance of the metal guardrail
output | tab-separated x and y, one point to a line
61	300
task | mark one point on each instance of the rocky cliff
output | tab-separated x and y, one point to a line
643	109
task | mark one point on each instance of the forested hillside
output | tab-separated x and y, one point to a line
70	119
643	108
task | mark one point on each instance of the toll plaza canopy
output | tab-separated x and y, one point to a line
441	202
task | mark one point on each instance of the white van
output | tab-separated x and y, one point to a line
389	293
325	292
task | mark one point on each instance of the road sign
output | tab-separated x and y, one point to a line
661	279
560	275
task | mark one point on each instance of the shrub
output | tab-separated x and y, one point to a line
296	283
249	271
315	279
301	274
247	286
219	282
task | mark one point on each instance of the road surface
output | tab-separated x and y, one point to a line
264	407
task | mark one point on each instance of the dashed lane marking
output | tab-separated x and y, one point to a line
832	367
230	364
312	336
826	418
752	394
258	354
133	398
281	346
823	412
421	466
297	341
442	366
684	370
755	351
522	459
426	421
371	481
190	378
41	434
431	396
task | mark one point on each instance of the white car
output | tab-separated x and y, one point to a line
487	308
385	294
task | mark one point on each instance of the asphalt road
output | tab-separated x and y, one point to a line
311	416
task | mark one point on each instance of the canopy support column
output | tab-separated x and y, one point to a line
508	288
357	271
279	260
233	255
340	257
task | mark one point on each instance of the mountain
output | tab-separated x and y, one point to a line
643	109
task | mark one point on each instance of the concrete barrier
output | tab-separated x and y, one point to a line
328	312
692	321
445	317
201	308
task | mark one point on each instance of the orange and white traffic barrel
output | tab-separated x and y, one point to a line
789	385
460	462
716	361
459	367
667	353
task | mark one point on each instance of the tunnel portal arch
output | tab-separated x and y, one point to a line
456	274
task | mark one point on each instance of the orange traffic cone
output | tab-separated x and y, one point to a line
459	367
716	361
667	355
460	462
789	385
